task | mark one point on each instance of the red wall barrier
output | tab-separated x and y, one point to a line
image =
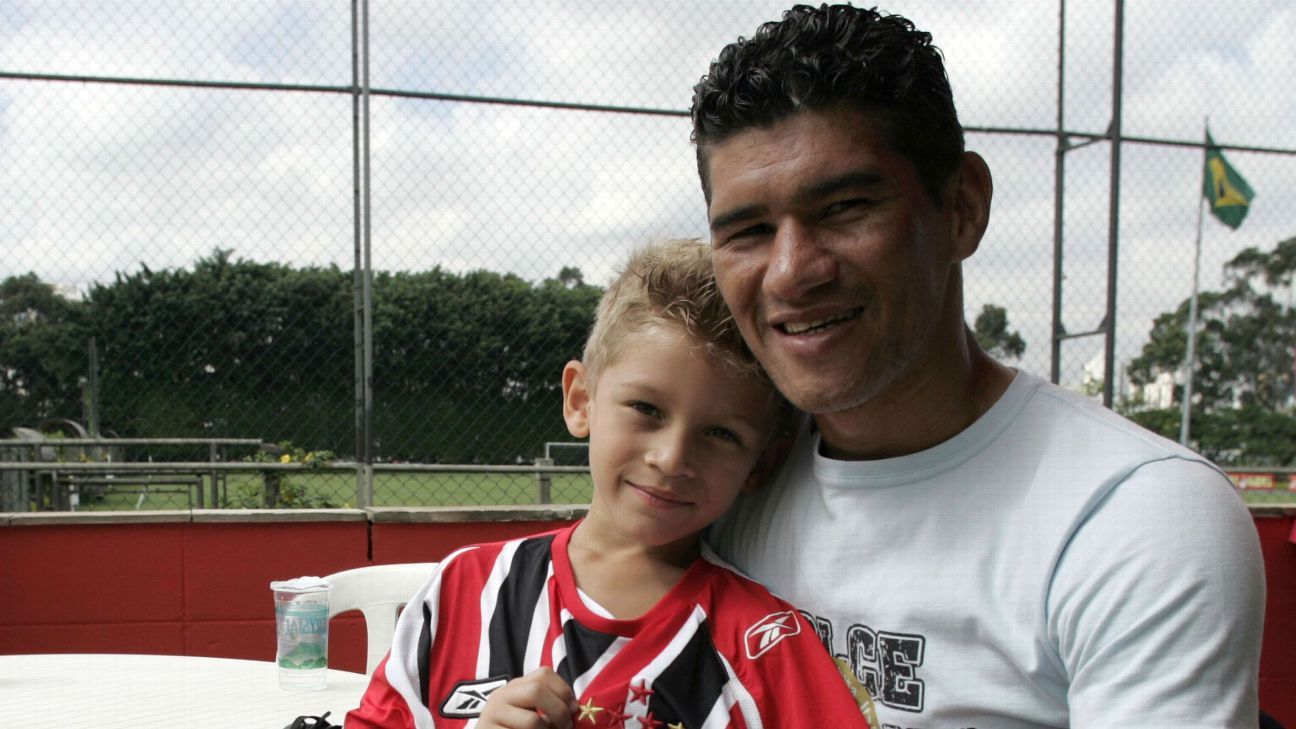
96	583
1278	657
199	584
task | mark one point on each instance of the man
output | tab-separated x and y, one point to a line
981	548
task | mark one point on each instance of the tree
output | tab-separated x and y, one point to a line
1245	336
466	366
231	348
43	353
1243	380
478	354
1245	436
571	277
991	330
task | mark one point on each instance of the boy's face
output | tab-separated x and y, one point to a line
673	439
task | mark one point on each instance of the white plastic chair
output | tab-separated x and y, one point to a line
378	591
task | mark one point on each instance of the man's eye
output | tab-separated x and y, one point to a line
751	231
842	206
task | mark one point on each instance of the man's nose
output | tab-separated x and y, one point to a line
799	263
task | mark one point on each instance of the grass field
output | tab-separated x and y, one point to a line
438	489
1274	496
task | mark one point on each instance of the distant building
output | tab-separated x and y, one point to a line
1155	395
1159	393
70	291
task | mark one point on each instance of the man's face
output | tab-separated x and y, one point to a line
837	264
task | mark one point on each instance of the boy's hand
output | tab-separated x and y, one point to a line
539	700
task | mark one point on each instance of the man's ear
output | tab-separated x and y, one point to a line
576	399
970	205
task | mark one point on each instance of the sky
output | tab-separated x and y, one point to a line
106	178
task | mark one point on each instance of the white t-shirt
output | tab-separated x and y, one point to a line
1052	565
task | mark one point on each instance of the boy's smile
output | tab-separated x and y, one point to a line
659	497
673	438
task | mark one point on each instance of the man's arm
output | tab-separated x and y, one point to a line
1157	604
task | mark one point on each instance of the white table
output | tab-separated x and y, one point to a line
102	691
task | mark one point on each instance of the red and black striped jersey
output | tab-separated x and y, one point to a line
717	651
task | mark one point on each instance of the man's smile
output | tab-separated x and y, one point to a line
817	325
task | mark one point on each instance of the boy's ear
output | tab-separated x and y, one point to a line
576	399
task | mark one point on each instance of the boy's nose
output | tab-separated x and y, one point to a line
669	454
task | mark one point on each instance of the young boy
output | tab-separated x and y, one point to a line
626	619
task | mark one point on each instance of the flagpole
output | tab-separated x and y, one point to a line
1190	359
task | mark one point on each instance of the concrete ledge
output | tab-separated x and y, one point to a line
276	515
45	518
385	514
380	514
458	514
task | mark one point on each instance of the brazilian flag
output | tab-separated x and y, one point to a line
1228	194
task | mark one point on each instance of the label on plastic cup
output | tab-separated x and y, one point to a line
301	628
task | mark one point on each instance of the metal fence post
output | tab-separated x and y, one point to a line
544	481
363	272
213	454
1113	209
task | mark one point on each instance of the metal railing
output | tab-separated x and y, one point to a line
66	480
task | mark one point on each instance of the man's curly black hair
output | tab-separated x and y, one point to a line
819	57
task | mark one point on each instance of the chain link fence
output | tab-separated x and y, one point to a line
369	235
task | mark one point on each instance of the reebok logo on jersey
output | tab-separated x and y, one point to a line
469	697
769	630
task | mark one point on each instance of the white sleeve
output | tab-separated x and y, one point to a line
1156	606
394	692
402	667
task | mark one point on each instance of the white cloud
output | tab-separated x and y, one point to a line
103	178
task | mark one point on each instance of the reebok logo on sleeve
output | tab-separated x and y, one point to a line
468	698
769	630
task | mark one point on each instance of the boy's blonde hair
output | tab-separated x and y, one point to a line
668	282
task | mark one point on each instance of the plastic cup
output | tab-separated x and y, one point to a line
301	631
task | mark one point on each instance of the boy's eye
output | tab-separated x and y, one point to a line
724	434
644	408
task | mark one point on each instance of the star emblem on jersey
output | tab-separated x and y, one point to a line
641	692
769	630
589	712
619	716
468	698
